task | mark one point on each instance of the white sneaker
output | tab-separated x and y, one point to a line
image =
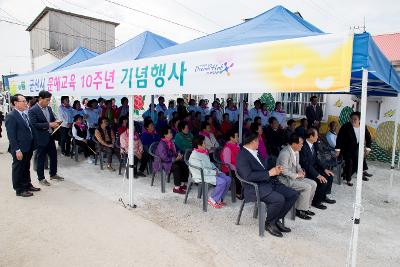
90	160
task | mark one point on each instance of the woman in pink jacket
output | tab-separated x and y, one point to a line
140	154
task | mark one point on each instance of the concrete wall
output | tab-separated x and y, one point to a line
39	37
69	32
44	60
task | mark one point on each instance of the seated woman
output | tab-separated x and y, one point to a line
171	161
228	156
183	139
173	124
226	124
161	122
209	138
212	175
122	122
246	126
81	135
262	149
149	135
140	154
106	138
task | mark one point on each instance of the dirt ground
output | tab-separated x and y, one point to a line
79	222
68	225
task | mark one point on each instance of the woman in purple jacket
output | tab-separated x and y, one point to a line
170	161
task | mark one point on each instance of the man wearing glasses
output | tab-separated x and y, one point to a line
20	136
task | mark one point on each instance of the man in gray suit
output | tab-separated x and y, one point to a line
293	176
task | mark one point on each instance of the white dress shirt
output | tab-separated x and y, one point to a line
255	154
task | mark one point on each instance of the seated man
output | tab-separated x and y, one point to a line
331	136
274	137
316	170
278	198
289	130
301	130
294	177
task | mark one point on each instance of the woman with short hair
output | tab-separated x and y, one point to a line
212	175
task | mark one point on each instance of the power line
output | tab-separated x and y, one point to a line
199	14
82	21
154	16
47	30
114	18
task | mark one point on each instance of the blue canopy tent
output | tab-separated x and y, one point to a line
279	23
139	46
76	56
372	74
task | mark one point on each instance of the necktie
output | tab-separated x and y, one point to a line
312	150
26	121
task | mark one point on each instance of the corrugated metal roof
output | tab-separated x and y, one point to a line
389	44
56	53
47	9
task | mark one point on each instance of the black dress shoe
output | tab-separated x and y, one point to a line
367	174
329	201
33	189
140	174
25	194
365	178
309	212
319	206
273	230
302	214
349	183
282	228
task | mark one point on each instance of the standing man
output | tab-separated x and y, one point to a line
43	124
66	115
314	113
20	136
316	170
278	198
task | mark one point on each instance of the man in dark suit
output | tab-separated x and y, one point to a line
278	198
274	137
19	132
347	147
316	170
43	124
314	113
302	128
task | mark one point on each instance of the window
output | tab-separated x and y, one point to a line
300	102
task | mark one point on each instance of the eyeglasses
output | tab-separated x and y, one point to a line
22	101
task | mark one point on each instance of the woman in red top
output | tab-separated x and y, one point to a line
226	125
228	156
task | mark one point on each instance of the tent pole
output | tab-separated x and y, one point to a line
241	116
392	165
131	150
357	205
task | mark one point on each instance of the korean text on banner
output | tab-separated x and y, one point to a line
310	64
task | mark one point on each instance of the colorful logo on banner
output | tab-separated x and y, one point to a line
215	69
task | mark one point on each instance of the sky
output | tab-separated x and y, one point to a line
204	17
